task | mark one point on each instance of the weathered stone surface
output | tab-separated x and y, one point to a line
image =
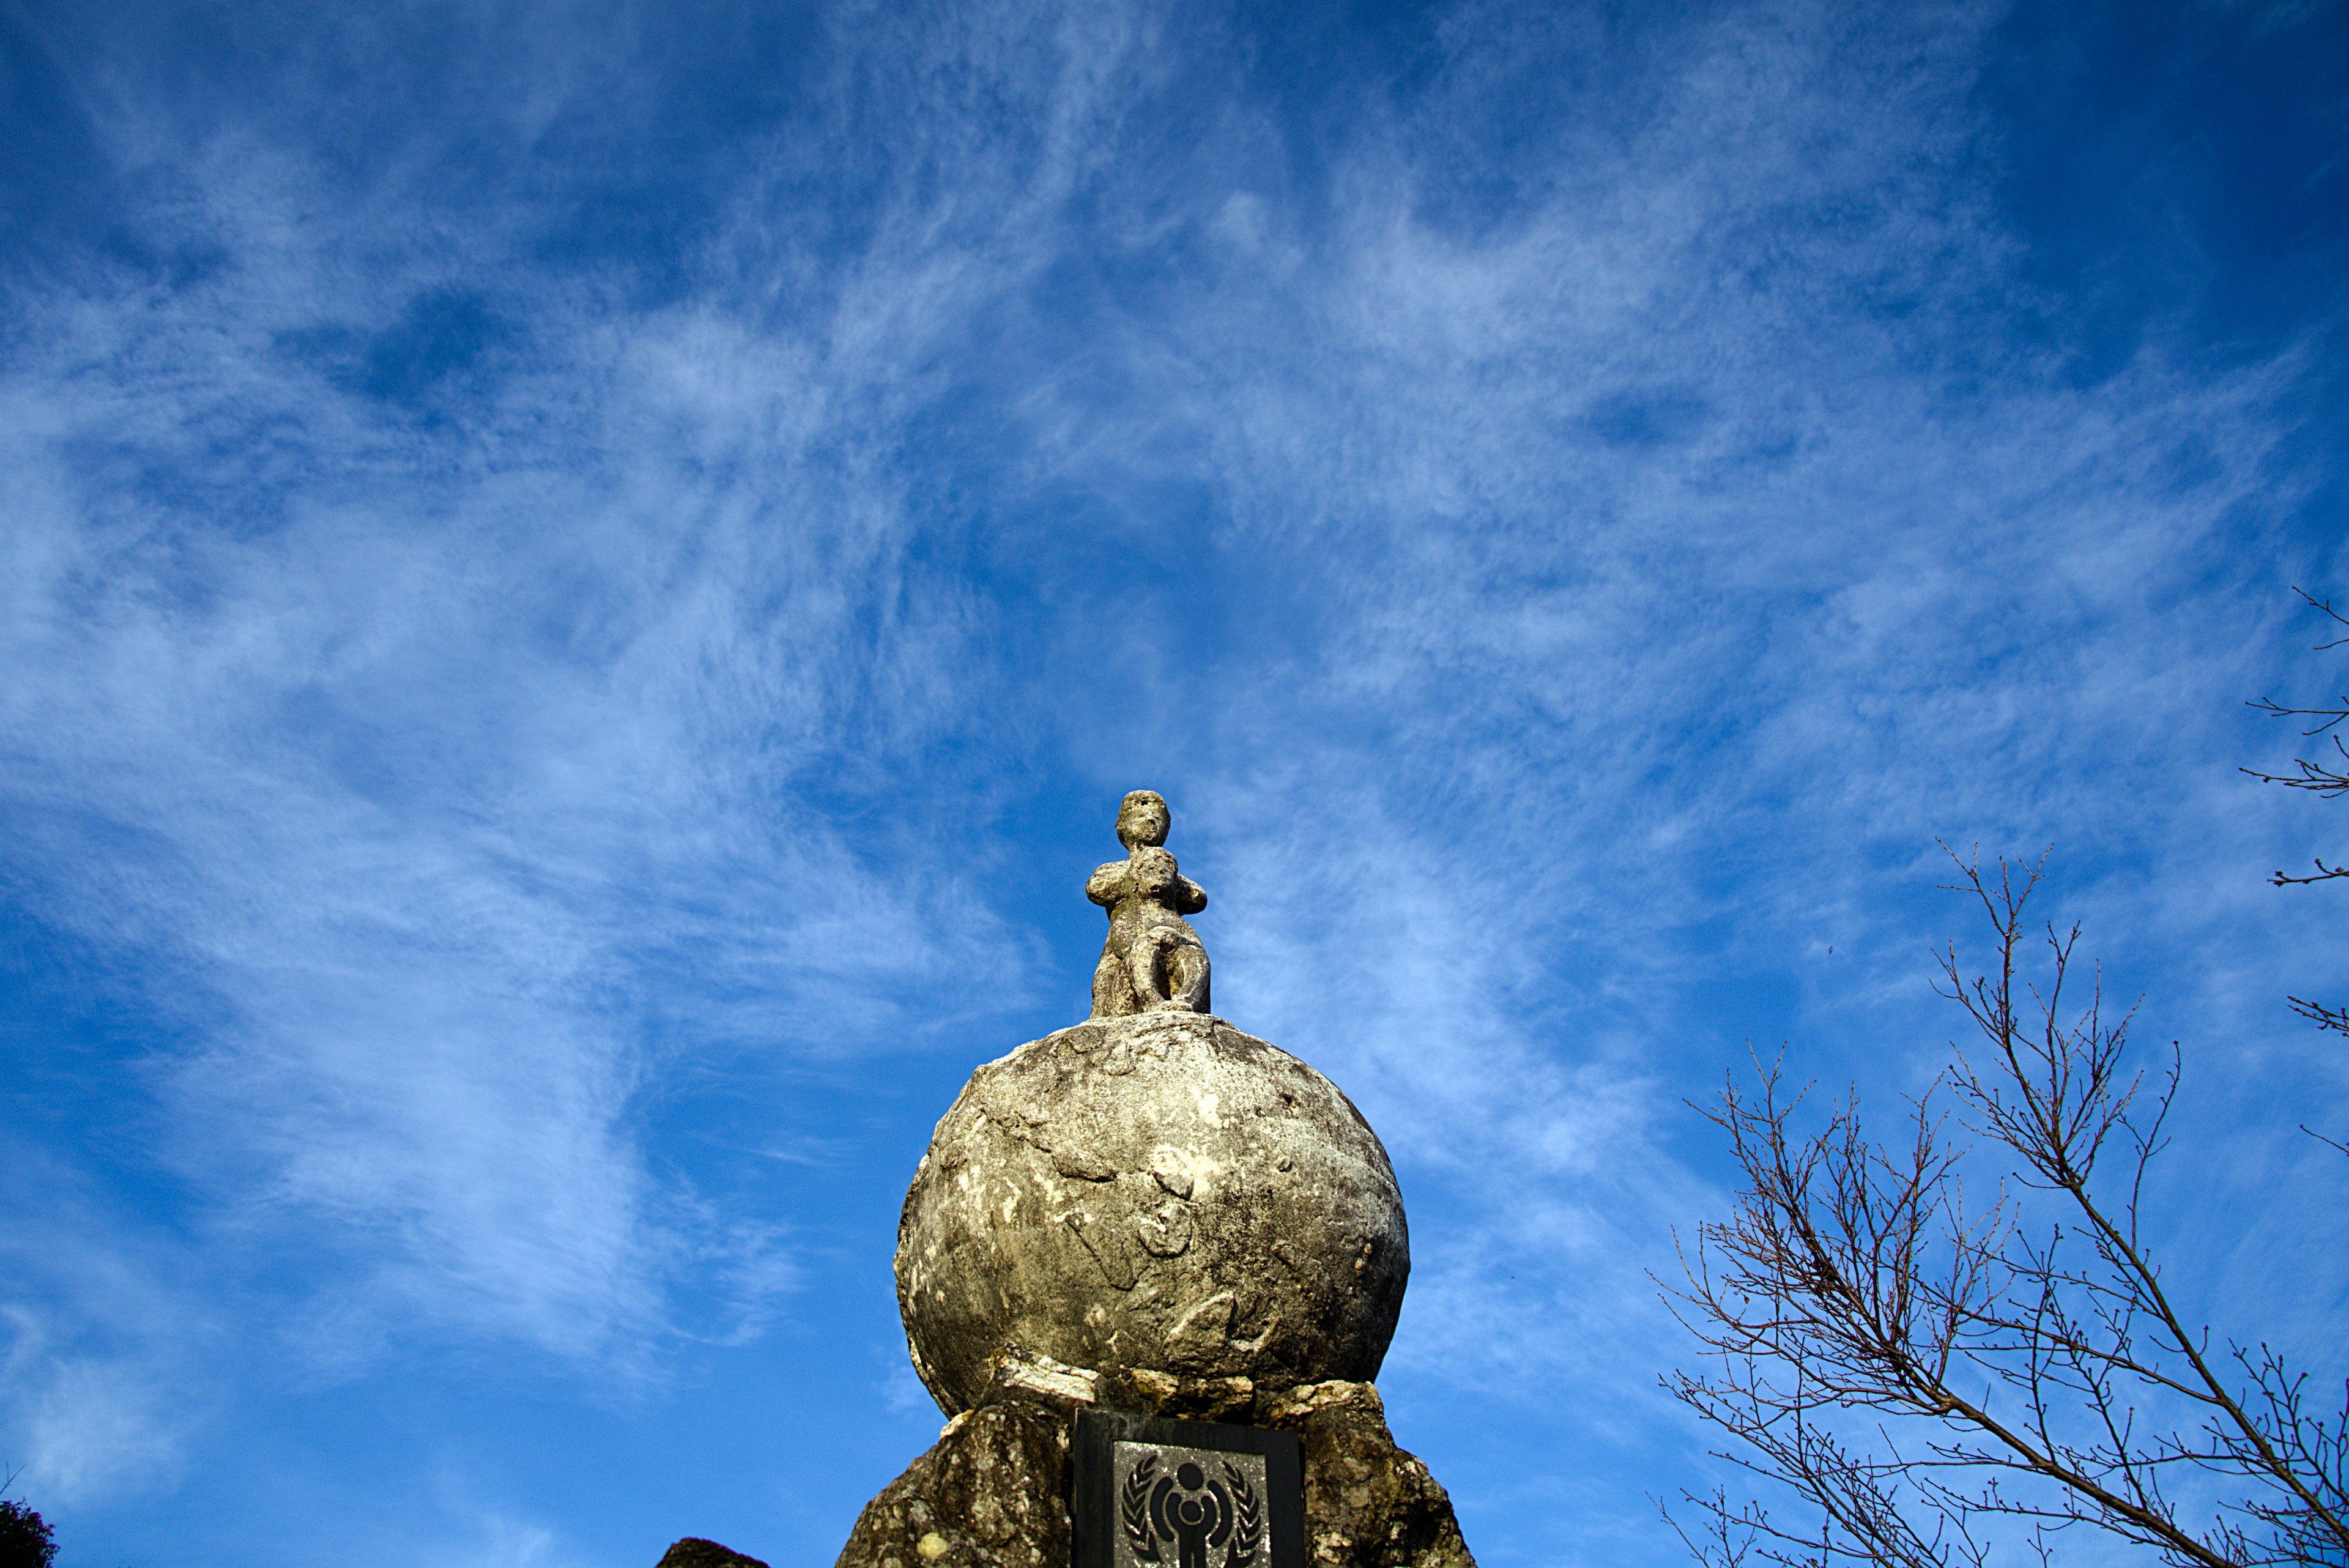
695	1553
1153	1191
1368	1504
992	1492
1153	960
1150	1212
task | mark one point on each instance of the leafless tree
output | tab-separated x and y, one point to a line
1933	1381
2327	778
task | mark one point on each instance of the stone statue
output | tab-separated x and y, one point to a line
1153	960
1154	1213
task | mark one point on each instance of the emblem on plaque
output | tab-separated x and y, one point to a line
1187	1508
1157	1493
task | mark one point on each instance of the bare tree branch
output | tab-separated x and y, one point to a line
2323	1017
2035	1375
2325	779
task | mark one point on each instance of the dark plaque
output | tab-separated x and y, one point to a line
1154	1493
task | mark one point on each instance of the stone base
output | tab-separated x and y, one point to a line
695	1553
994	1490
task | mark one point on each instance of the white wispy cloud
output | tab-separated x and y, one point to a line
414	735
104	1331
1568	535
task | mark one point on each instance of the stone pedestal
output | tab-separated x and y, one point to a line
993	1492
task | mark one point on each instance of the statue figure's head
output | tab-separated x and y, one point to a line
1142	819
1155	875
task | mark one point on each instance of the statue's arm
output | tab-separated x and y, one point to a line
1107	885
1189	897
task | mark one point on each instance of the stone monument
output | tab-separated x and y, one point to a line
1157	1220
1148	1269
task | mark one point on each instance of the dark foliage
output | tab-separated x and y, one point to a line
26	1540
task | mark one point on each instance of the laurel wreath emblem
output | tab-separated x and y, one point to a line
1245	1521
1249	1530
1134	1509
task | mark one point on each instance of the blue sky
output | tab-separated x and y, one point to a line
580	585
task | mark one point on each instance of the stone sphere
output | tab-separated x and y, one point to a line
1157	1192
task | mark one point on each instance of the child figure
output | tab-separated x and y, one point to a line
1153	960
